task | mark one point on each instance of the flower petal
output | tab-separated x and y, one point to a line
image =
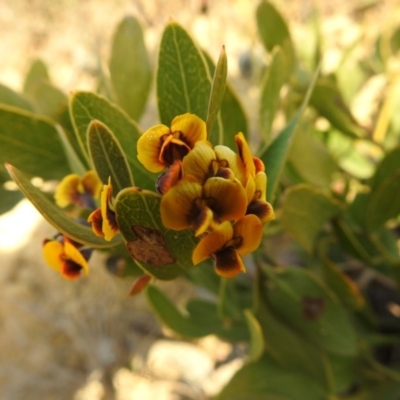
53	251
110	227
179	207
92	184
204	221
169	178
191	128
229	263
245	154
149	148
74	262
67	190
198	162
97	222
233	161
226	198
262	209
212	243
249	229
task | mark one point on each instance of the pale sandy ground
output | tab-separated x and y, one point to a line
59	340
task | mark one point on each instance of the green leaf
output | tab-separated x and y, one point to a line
183	79
50	100
85	107
199	319
257	344
31	142
233	118
384	202
55	215
274	32
108	157
329	102
271	85
14	99
318	167
267	380
304	212
274	157
217	92
387	167
160	252
310	307
8	198
130	68
36	75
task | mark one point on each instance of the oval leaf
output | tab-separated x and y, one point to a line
108	157
55	215
274	32
304	211
85	107
36	75
31	142
307	305
14	99
130	69
183	79
160	252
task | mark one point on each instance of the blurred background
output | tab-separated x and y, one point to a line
87	339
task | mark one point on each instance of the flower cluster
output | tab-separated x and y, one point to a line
218	193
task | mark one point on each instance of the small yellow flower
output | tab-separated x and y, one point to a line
103	219
160	145
65	257
227	244
202	207
77	190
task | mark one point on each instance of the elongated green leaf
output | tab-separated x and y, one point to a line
257	344
384	202
36	75
265	379
183	79
55	216
271	85
108	157
31	142
217	91
274	157
130	69
329	102
274	32
232	115
14	99
306	304
85	107
8	198
160	252
304	211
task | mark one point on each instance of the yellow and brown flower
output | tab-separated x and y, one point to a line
81	191
66	257
161	145
103	219
190	204
228	243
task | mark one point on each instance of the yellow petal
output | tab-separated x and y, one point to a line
191	128
149	148
71	253
213	242
229	263
169	178
203	222
53	252
97	222
92	184
226	198
110	227
198	162
261	185
249	229
233	160
178	205
245	154
67	190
